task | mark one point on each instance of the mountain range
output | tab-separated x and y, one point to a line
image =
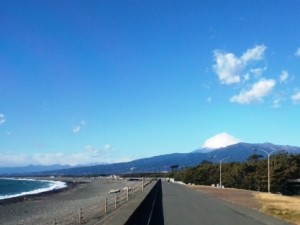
237	152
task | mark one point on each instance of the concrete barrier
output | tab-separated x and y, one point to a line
150	211
138	209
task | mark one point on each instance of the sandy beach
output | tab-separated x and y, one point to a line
81	192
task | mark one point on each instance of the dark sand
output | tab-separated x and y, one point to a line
81	192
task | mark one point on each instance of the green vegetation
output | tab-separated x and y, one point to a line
251	175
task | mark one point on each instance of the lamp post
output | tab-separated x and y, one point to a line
220	161
268	155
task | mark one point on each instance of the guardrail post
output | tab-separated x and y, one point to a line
105	206
127	194
143	184
80	215
115	201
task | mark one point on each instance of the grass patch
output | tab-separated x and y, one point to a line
283	207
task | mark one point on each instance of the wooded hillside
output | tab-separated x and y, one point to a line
251	175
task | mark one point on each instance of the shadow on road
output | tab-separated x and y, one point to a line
150	212
158	214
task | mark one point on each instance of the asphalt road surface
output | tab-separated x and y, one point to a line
183	206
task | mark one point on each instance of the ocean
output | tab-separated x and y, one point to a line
14	187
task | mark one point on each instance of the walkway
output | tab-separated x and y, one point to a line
182	206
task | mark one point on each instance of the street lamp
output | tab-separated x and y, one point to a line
269	154
220	161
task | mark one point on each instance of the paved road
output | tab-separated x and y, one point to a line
183	206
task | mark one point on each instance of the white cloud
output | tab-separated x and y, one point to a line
296	98
77	128
229	68
297	53
8	159
257	72
219	141
283	76
89	155
256	53
2	118
256	93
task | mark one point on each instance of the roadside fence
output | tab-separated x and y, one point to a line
92	211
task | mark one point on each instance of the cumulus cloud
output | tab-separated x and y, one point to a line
220	141
78	127
296	97
297	53
283	76
2	118
256	93
229	67
247	71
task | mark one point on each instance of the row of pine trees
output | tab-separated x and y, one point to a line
251	175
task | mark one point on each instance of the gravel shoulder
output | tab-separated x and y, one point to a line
282	207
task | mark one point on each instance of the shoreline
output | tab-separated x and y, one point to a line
80	193
29	197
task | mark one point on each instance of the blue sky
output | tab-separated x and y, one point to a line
108	81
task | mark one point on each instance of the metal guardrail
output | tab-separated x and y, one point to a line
91	211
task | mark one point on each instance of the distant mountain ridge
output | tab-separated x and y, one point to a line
31	169
237	152
252	147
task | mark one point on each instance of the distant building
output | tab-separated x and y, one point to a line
293	187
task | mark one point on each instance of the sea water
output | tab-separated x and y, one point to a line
12	187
